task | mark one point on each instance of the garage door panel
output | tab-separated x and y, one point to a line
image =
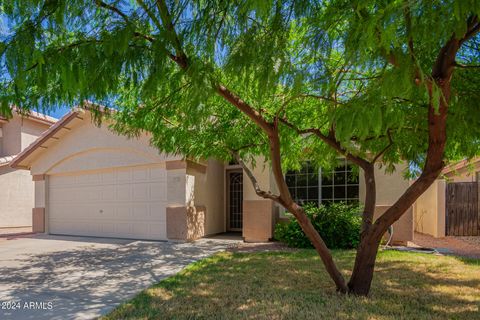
93	194
158	174
140	192
124	192
108	193
108	204
158	191
108	228
158	212
140	175
108	177
124	176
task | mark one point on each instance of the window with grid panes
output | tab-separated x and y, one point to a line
340	184
303	184
315	186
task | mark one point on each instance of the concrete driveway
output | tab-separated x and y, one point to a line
60	277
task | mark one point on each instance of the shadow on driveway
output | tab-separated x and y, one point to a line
82	278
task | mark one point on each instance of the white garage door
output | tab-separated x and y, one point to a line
123	203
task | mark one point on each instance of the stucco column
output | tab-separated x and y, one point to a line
40	199
259	214
441	208
185	220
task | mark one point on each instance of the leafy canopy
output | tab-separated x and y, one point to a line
328	65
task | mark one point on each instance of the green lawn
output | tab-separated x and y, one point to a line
294	285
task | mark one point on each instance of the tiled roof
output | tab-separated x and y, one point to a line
5	161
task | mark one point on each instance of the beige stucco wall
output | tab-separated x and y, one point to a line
88	148
259	214
30	131
389	186
18	133
177	194
12	137
40	193
1	140
209	192
16	186
16	198
262	172
429	210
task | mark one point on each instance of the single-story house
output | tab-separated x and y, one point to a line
90	181
451	207
16	186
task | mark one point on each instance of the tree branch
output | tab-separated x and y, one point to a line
329	140
181	57
150	14
113	9
408	25
472	29
261	193
182	61
385	149
125	17
320	98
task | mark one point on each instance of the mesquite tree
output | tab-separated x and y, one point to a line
377	81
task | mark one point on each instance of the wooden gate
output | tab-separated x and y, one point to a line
462	209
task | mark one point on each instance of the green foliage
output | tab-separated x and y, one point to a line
318	64
338	224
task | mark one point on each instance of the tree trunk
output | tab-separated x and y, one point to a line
362	274
363	268
370	198
319	246
307	226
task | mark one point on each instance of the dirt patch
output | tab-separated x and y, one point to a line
459	246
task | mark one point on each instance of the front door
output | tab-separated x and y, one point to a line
235	200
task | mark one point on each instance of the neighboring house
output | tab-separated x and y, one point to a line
16	186
450	207
91	182
463	171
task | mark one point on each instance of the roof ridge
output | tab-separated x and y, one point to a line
32	115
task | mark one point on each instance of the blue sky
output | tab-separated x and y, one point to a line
58	113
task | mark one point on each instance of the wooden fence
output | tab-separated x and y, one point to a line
462	209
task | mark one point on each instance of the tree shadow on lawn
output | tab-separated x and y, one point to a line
295	286
90	280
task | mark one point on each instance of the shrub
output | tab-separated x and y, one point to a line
338	224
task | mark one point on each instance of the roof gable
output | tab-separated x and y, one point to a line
75	143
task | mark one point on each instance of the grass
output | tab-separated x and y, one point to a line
294	285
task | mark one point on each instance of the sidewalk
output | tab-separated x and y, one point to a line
459	246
